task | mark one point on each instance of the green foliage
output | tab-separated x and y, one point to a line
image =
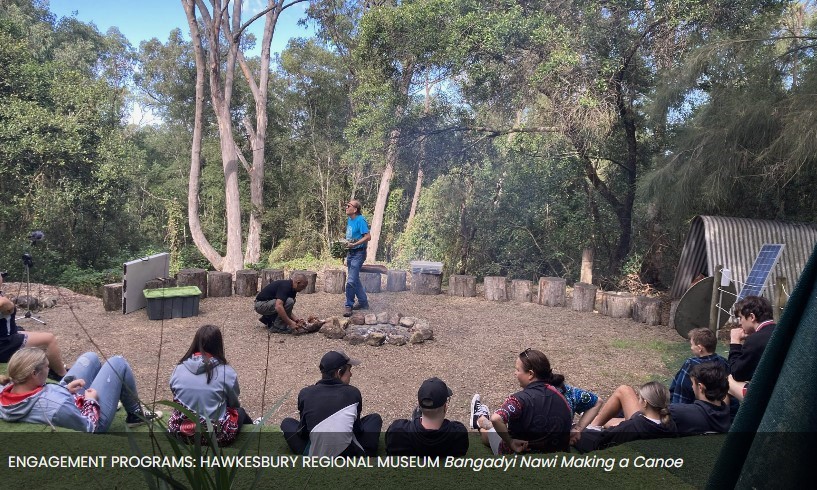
88	281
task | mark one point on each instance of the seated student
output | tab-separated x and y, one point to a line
646	415
430	434
709	412
13	338
276	301
25	396
581	402
702	343
748	341
330	423
536	419
205	383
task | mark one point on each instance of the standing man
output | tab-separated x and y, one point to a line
357	234
275	303
748	341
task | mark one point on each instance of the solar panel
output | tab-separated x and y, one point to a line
764	263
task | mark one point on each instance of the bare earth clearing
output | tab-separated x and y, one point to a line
474	347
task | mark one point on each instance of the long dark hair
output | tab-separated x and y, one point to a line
208	340
537	361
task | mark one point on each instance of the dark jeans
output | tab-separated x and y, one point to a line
368	436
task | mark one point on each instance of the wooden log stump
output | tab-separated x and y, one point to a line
311	280
673	307
269	275
552	291
112	297
425	283
496	288
395	280
618	305
334	281
647	310
464	286
160	282
371	281
219	284
584	297
520	290
246	283
193	277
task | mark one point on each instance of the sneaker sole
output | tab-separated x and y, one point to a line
476	398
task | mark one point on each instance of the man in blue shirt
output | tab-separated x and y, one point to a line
357	234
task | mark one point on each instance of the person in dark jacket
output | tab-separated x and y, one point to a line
430	434
330	410
748	341
536	419
709	412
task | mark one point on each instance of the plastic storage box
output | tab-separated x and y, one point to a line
166	303
426	267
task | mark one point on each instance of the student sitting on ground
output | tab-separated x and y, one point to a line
536	419
702	343
748	341
709	412
331	424
646	415
204	383
583	402
25	396
429	433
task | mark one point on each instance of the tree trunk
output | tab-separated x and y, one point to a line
334	281
422	283
647	310
395	280
461	285
193	277
219	284
584	297
587	266
552	291
112	297
269	275
496	288
382	196
311	280
520	290
371	281
246	283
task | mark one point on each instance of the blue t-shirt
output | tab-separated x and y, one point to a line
355	229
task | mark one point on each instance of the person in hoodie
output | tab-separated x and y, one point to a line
204	383
85	400
429	434
646	412
709	412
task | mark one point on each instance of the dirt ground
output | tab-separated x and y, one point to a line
473	351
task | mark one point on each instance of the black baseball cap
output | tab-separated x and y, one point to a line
433	393
336	359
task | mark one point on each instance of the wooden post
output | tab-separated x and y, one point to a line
371	281
647	310
496	288
334	281
587	266
520	290
673	307
465	286
552	291
219	284
395	280
269	275
618	305
193	277
311	279
780	297
584	297
112	297
426	283
246	283
713	305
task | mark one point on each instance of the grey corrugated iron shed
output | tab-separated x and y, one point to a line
735	242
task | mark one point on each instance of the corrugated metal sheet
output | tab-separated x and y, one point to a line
735	242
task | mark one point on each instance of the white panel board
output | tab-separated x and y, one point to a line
137	273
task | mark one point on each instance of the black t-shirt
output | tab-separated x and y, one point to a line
700	417
277	290
410	438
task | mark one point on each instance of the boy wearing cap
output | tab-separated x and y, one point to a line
430	434
331	424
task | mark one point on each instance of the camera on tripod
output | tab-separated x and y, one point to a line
28	260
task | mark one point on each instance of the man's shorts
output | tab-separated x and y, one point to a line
11	344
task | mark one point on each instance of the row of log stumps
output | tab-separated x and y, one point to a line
376	329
